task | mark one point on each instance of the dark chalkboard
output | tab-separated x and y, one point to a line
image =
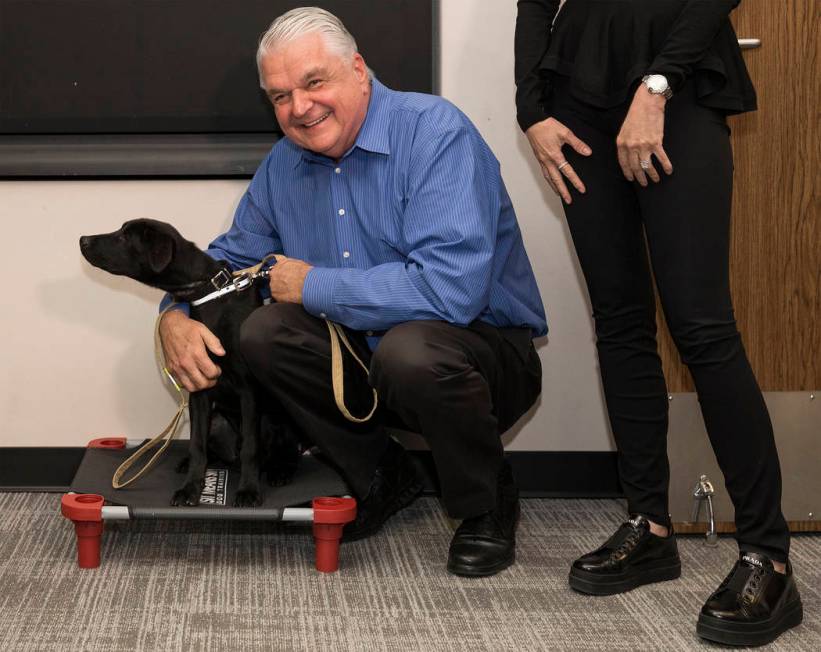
122	71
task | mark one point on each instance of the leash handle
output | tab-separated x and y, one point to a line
170	430
337	375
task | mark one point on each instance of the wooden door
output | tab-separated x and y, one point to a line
775	267
776	236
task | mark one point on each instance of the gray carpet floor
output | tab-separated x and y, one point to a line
248	586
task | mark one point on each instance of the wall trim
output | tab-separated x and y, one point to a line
555	474
40	468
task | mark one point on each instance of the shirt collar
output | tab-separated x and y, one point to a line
373	134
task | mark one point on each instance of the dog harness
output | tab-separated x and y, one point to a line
226	284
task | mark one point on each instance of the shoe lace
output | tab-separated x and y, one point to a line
629	542
753	584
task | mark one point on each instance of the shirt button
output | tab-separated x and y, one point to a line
341	211
346	254
338	170
369	333
323	315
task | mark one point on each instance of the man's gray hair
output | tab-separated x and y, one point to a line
306	20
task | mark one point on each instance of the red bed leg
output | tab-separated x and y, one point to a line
330	516
107	442
86	512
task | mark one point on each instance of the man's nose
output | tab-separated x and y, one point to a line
300	102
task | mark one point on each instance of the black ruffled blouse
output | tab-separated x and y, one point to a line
606	46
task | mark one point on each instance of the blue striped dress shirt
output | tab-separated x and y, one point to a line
413	222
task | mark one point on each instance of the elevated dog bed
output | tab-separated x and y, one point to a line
93	500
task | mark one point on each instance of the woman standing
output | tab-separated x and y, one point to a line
624	103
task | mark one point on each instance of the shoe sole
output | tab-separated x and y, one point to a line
594	584
729	633
482	571
405	498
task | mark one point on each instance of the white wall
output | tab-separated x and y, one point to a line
77	356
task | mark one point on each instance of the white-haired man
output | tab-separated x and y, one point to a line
392	220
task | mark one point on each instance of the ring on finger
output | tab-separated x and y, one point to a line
563	164
645	164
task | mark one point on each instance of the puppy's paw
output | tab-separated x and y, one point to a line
248	497
188	495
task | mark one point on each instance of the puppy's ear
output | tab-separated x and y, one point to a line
160	251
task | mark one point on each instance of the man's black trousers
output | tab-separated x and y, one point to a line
460	388
686	221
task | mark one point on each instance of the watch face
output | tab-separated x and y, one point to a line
657	83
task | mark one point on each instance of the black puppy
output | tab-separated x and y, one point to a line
154	253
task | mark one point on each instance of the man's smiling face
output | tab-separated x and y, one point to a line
320	98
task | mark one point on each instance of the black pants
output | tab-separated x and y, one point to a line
460	388
686	221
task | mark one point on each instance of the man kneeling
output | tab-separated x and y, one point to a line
392	220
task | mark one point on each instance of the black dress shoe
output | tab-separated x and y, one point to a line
753	605
486	544
394	486
631	557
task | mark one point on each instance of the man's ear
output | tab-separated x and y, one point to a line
160	251
360	67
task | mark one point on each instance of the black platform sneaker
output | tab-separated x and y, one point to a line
631	557
753	605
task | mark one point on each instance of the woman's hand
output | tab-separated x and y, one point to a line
547	139
640	137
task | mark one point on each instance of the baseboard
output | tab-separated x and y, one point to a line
565	474
38	468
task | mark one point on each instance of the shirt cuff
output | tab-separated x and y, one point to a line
168	302
318	292
530	116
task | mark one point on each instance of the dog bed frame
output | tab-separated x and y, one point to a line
92	500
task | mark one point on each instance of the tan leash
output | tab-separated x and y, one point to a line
337	376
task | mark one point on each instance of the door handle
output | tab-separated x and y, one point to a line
749	43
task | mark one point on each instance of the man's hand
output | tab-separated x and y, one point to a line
547	139
287	278
184	342
641	136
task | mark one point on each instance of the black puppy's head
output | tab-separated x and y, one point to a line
148	251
